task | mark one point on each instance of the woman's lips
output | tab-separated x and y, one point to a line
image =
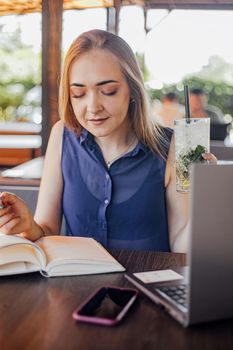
98	121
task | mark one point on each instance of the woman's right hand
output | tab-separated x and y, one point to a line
16	217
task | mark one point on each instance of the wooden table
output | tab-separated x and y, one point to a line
17	149
36	314
26	174
19	142
19	128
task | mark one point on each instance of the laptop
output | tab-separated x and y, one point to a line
203	291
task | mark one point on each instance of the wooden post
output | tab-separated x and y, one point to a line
113	17
51	64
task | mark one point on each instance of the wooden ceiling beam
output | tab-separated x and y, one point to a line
25	6
182	4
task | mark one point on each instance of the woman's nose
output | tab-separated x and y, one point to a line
94	103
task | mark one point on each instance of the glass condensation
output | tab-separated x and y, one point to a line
192	138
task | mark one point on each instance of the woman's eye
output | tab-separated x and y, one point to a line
77	95
76	92
109	93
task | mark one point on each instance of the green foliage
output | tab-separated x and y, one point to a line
219	93
215	78
20	71
10	42
192	156
141	61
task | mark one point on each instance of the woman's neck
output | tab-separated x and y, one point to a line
115	147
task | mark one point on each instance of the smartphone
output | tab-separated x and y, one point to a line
107	306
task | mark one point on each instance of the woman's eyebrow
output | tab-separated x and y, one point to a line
98	84
106	82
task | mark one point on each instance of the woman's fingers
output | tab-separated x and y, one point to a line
5	218
15	217
8	198
9	227
4	210
210	157
6	214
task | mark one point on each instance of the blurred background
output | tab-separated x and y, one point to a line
176	43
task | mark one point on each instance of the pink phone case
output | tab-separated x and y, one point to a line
105	321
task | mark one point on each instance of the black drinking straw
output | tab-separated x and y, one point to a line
186	100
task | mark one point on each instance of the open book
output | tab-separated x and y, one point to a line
55	256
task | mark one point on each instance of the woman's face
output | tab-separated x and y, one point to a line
99	94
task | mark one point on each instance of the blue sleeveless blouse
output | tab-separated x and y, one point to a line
122	206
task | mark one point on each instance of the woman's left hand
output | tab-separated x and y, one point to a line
210	158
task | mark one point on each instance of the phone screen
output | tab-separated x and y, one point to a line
107	306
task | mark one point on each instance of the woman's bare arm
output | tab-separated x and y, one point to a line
15	215
177	207
48	213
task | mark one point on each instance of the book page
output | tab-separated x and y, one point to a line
6	240
17	268
20	252
85	253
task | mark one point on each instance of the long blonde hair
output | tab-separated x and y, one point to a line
146	131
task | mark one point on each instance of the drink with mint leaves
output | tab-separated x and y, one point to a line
192	138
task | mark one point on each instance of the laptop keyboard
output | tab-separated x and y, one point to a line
176	294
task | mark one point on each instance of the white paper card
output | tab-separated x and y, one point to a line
158	276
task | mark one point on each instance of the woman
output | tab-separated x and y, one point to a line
106	166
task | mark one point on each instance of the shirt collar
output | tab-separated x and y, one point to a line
83	136
140	147
87	137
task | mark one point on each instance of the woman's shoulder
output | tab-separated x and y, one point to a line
56	132
58	127
55	139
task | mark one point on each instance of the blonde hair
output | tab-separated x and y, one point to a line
146	131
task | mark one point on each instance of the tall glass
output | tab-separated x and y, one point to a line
192	138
